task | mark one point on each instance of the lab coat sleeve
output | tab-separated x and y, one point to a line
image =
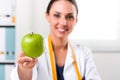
91	72
14	74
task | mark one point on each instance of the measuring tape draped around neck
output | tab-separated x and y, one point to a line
52	61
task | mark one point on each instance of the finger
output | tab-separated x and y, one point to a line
26	64
34	61
24	59
30	64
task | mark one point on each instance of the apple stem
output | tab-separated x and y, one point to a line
32	33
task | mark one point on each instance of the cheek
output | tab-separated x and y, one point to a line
71	27
53	22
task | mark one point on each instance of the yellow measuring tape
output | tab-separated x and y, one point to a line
52	61
54	74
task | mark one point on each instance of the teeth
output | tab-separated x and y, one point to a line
61	30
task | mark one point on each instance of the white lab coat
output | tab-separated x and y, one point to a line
87	68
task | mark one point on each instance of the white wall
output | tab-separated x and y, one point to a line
30	17
108	65
23	20
39	21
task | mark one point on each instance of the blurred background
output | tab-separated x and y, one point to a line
98	28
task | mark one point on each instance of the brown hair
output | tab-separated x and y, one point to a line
52	1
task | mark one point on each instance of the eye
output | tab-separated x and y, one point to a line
70	17
56	15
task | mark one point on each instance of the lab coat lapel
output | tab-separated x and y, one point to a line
69	59
48	59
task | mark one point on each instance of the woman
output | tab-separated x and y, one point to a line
61	60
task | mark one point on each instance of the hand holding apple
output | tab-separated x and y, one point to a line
33	45
25	63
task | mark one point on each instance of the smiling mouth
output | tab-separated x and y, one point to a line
62	30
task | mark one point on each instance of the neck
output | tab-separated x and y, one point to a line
59	43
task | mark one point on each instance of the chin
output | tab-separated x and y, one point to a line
62	36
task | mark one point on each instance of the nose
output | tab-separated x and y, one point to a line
63	21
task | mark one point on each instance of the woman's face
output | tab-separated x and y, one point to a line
62	18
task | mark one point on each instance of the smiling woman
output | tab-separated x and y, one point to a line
98	25
60	56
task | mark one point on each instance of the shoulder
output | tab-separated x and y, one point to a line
82	50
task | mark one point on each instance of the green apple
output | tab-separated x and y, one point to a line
33	45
